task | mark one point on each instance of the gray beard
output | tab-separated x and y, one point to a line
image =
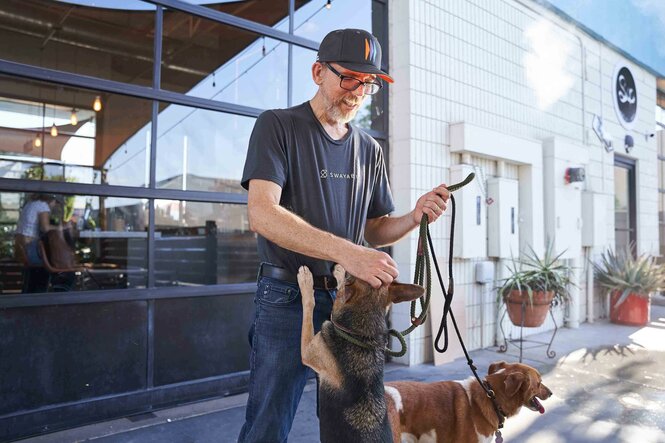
334	112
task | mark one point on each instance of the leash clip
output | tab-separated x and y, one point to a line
498	437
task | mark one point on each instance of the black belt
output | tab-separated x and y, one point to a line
272	271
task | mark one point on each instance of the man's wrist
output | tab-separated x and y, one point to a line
415	221
343	250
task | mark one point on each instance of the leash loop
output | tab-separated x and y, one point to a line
402	343
423	273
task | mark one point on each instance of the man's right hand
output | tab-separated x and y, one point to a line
375	267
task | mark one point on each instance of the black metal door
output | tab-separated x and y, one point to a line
625	210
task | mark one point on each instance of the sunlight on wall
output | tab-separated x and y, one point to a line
545	63
660	118
80	151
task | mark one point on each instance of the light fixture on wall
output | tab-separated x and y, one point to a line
73	118
37	142
97	104
328	4
54	128
604	136
628	143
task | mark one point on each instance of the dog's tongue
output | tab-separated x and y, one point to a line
538	405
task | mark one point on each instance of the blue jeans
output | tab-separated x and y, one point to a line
277	376
35	276
33	255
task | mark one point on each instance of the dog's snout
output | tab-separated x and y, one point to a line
545	392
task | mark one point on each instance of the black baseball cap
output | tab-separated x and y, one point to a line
355	50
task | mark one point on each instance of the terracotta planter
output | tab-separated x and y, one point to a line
635	310
534	314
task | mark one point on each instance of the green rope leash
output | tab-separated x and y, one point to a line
422	277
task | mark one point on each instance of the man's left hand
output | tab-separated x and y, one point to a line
433	204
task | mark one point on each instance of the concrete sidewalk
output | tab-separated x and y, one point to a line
608	383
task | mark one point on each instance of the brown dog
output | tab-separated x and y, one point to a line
461	411
352	406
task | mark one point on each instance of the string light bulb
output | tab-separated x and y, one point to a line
54	130
38	141
328	4
73	118
97	104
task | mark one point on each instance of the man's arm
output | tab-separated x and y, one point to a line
45	222
286	229
384	231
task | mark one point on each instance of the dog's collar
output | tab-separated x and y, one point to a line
353	336
347	330
340	328
499	412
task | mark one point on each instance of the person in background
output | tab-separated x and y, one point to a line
34	221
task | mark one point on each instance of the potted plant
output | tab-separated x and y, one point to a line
630	280
535	283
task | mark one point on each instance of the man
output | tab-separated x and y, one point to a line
317	187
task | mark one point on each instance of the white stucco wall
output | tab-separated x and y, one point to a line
464	61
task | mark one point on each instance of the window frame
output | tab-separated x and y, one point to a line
156	95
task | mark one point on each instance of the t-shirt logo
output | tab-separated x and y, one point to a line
343	175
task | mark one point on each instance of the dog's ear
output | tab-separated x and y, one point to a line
400	292
513	382
496	366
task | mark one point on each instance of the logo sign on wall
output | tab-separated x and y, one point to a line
624	93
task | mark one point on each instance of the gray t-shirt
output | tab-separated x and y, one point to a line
335	185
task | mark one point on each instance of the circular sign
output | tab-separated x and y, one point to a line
624	93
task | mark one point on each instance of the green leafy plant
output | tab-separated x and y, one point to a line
625	273
533	273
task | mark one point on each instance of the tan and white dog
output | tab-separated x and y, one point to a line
461	411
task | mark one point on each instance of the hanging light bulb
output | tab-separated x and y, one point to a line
73	118
328	4
38	141
97	104
54	130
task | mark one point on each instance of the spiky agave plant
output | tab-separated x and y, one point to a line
534	273
622	272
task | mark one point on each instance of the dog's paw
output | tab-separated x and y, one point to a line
306	284
340	274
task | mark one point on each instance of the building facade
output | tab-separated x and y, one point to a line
137	114
517	92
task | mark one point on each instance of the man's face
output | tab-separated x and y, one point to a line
341	105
